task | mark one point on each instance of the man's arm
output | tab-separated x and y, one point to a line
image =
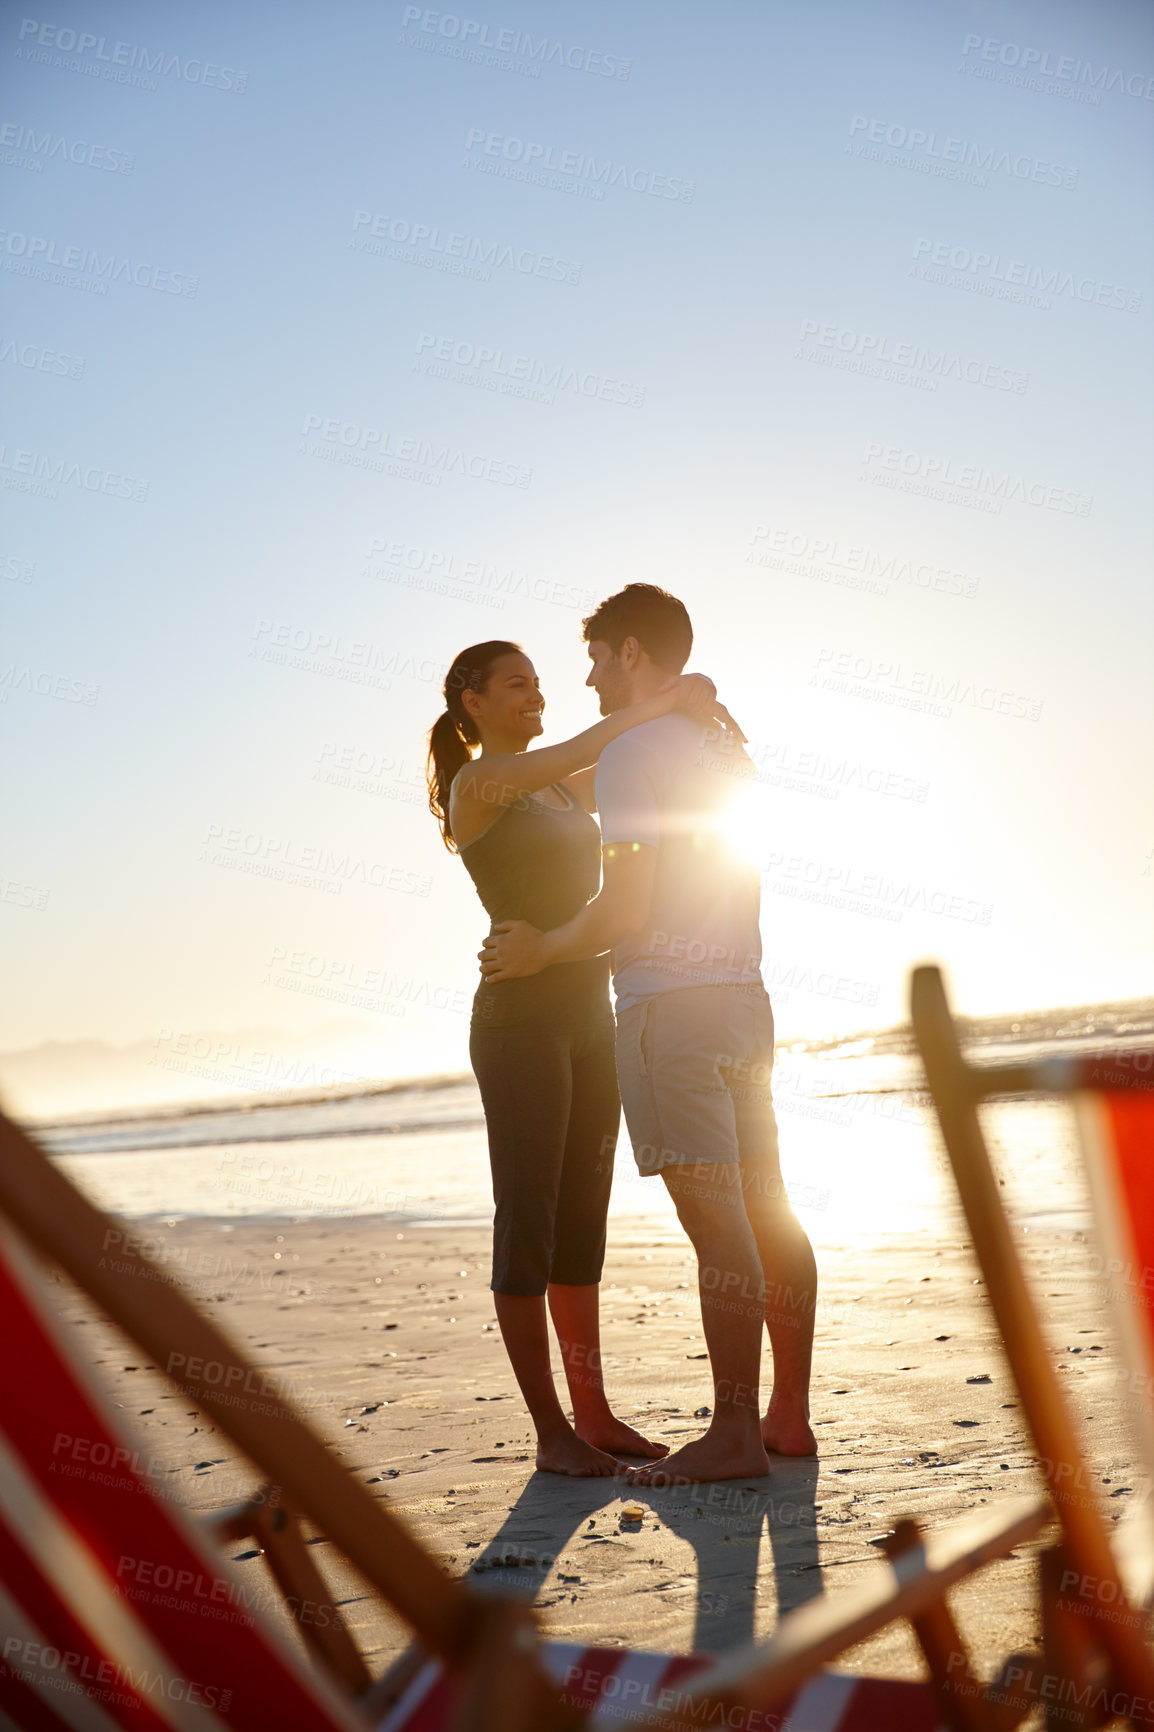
621	906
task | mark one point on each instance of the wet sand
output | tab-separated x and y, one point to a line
384	1334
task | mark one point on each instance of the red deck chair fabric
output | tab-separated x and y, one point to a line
1099	1634
1117	1131
115	1611
623	1685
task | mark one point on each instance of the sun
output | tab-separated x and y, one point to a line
748	823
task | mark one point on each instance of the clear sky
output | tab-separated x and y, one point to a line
337	337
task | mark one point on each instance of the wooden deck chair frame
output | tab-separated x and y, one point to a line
1105	1640
491	1644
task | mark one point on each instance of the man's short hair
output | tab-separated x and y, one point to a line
655	618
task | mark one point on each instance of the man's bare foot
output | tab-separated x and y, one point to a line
570	1454
786	1429
708	1457
613	1434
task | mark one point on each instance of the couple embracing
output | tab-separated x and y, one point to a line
660	889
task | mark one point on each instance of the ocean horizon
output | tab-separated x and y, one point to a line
414	1150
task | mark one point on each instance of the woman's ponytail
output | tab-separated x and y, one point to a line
447	752
454	731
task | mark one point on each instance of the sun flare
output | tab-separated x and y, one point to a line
748	824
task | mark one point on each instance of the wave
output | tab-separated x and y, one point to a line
881	1061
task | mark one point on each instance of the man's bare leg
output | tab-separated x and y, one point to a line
790	1271
711	1207
576	1318
525	1332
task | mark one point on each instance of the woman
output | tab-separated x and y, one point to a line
542	1047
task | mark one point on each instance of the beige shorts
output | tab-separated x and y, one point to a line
693	1066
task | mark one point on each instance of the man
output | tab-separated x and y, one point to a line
680	910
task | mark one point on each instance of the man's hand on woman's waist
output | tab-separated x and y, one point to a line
513	950
621	907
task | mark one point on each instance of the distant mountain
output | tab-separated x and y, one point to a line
60	1079
65	1077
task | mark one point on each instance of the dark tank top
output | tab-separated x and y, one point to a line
540	864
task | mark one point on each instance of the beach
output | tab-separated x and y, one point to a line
344	1241
381	1330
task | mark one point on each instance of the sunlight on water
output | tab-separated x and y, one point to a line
860	1166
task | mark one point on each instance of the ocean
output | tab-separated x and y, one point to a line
859	1147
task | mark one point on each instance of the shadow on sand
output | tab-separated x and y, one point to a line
557	1525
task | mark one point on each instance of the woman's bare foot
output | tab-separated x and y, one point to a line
568	1453
706	1458
613	1434
786	1429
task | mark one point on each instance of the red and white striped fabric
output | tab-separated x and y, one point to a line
1117	1131
617	1685
114	1610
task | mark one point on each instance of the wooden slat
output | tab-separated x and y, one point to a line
295	1572
62	1225
957	1691
762	1675
1076	1500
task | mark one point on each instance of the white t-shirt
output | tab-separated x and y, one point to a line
668	785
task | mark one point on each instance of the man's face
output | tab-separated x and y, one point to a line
608	678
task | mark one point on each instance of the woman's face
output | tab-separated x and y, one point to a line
511	703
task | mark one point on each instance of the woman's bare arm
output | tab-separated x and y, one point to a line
480	788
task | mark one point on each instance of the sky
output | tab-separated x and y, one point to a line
337	337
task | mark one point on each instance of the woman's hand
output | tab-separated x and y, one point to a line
695	695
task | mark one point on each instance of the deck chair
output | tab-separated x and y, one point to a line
1097	1581
117	1610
